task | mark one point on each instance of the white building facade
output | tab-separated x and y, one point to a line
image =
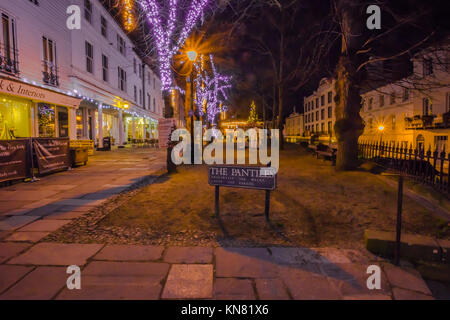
294	125
98	85
415	111
319	109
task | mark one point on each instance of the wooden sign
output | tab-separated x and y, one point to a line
164	130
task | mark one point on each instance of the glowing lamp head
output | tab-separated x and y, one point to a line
126	106
192	55
381	128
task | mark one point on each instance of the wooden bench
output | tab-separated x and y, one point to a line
326	152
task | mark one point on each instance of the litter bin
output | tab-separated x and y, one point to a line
79	156
106	144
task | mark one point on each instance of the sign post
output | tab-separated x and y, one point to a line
249	177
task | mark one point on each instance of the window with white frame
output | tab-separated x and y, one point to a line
427	107
121	45
8	45
447	102
88	10
405	94
104	26
427	66
122	76
89	52
105	68
49	62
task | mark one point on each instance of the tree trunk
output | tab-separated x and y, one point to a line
274	103
280	115
349	125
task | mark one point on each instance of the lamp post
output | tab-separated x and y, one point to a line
192	56
381	129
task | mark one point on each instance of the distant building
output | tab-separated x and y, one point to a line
294	125
414	111
319	109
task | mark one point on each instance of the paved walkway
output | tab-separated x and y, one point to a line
153	272
30	211
32	269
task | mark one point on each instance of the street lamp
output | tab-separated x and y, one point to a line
192	56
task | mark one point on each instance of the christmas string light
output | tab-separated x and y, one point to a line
211	91
164	43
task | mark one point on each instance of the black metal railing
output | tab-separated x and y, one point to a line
50	73
9	62
428	167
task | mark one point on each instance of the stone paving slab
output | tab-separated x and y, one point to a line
15	212
57	254
11	274
119	280
189	255
44	210
15	222
10	249
28	196
306	285
6	206
189	281
44	225
43	283
406	278
39	204
79	202
27	236
351	279
64	215
271	289
233	289
244	263
130	253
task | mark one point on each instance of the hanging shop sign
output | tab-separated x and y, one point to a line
164	130
13	159
52	154
37	94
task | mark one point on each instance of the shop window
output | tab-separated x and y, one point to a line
79	118
46	120
63	122
14	118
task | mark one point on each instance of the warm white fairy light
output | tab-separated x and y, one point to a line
165	43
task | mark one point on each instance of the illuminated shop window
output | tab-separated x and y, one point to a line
15	120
